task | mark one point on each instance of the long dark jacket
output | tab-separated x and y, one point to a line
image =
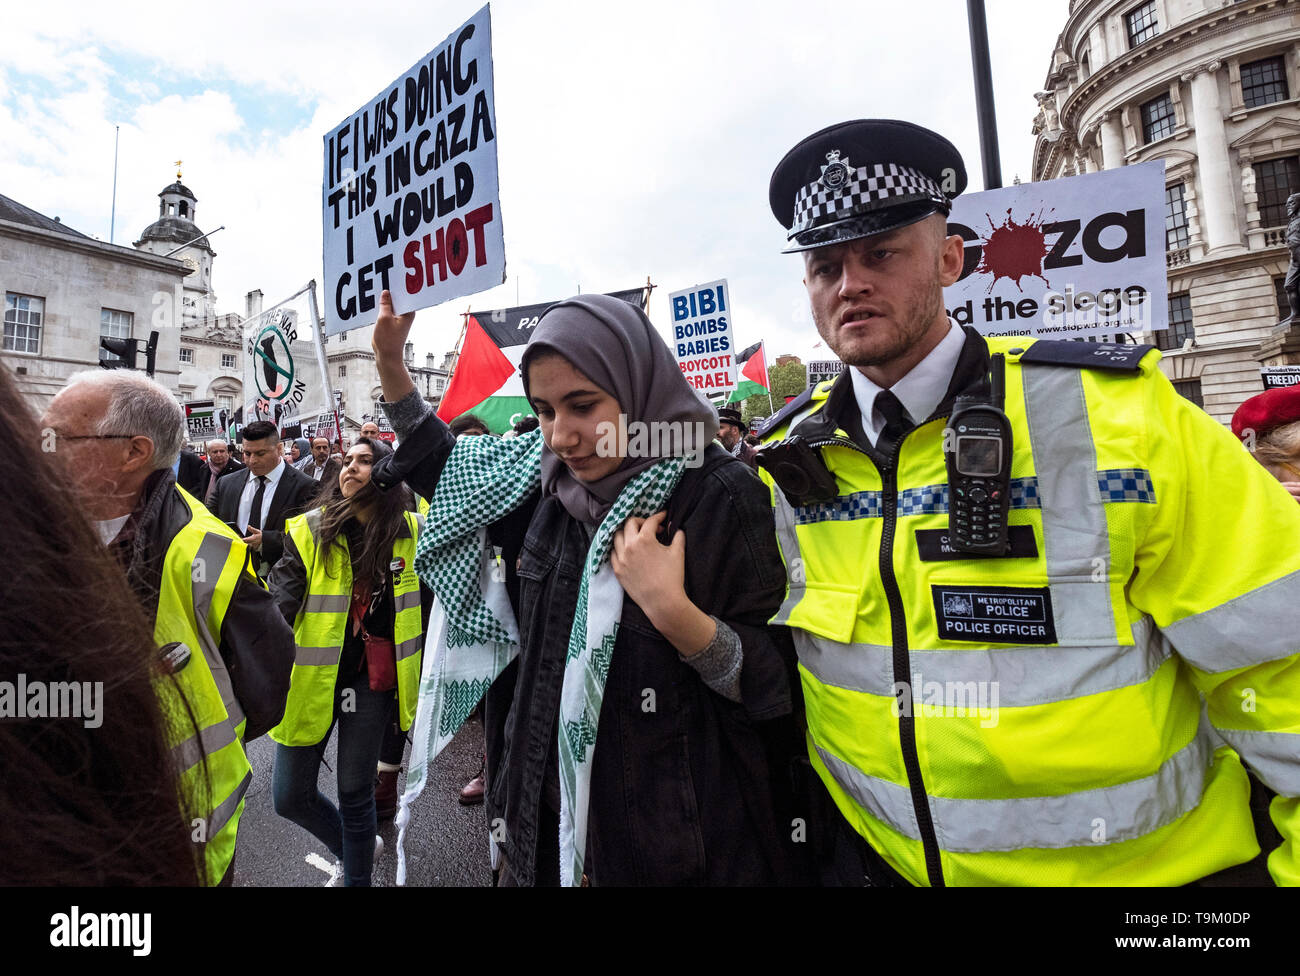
687	786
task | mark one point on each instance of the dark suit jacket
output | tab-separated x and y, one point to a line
293	496
331	473
191	469
205	478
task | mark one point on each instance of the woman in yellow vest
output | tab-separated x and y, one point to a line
347	584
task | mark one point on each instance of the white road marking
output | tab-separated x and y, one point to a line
316	861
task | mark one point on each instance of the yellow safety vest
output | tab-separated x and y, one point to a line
321	625
201	568
1039	719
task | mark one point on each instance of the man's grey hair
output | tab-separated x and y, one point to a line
140	407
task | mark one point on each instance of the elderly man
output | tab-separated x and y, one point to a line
321	468
220	464
261	498
731	432
118	434
1039	628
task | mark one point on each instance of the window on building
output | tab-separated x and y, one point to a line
113	325
1279	291
1141	23
23	317
225	403
227	360
1175	218
1180	323
1191	390
1275	180
343	370
1263	82
1158	119
187	355
1084	70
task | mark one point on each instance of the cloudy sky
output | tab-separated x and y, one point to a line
633	139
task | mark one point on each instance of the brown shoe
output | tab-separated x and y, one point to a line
386	795
472	792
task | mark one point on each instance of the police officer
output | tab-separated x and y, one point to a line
1005	667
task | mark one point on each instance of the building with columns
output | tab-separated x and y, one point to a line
1212	87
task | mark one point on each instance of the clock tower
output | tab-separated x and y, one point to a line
175	227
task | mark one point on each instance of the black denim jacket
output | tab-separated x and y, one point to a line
687	787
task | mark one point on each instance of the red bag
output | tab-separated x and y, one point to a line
380	653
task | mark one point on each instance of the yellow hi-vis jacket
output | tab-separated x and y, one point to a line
1072	714
321	625
203	564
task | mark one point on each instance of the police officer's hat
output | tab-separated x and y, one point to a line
861	178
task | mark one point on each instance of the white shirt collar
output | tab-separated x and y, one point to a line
920	391
110	528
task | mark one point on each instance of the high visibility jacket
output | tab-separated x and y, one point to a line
321	625
203	564
1039	718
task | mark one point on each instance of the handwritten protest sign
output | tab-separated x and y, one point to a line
410	196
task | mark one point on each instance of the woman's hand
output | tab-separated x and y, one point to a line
654	576
389	342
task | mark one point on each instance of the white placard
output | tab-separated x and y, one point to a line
702	337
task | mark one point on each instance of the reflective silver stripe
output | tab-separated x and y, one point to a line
1253	628
1275	756
213	553
795	572
409	646
405	601
1075	538
317	603
1088	818
310	657
1009	677
222	814
205	743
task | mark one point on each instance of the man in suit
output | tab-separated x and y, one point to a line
219	464
189	470
322	468
259	499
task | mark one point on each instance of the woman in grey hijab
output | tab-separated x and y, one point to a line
690	778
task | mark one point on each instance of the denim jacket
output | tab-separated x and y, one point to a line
687	786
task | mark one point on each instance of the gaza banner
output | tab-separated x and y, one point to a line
286	379
1083	255
410	197
486	380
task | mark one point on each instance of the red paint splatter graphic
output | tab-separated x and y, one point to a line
1013	250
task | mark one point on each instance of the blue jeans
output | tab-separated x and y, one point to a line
348	830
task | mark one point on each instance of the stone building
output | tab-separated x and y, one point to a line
65	290
1210	87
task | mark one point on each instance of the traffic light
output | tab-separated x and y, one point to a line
150	352
124	352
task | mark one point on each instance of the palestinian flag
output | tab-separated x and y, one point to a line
753	377
486	380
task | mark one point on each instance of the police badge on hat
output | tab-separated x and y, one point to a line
835	174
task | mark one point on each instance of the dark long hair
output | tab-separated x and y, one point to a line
388	511
78	805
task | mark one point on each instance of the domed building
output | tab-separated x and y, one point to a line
175	230
1210	87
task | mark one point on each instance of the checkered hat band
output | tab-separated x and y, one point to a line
863	191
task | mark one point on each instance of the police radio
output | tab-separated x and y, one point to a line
977	452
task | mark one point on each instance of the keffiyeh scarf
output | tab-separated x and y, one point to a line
473	634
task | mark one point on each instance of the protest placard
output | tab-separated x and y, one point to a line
200	420
1084	255
702	336
285	372
1279	377
410	195
821	370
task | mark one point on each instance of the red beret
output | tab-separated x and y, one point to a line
1270	409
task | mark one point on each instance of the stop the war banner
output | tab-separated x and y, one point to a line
702	337
286	379
1083	255
410	196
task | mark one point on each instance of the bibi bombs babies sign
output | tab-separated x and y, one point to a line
410	196
1083	255
702	338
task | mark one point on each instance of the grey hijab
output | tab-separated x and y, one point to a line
614	345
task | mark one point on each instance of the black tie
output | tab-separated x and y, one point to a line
897	422
255	513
